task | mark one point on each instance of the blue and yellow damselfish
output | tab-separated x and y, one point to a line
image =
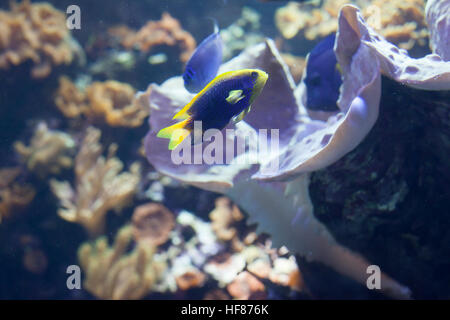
228	96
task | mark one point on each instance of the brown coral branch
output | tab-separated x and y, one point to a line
99	185
152	223
110	102
35	32
401	22
166	31
49	151
14	196
112	274
223	218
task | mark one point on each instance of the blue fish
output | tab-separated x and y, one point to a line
204	63
323	77
227	97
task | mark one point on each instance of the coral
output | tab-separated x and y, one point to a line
190	279
49	151
401	22
70	100
99	185
295	64
290	20
246	286
113	274
35	32
216	294
192	243
110	102
34	258
266	263
386	193
223	217
438	20
195	255
35	261
14	196
308	144
261	267
114	63
279	179
113	102
285	272
316	22
166	31
242	33
152	223
224	268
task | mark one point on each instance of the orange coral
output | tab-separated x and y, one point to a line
35	32
166	31
14	196
399	21
100	185
49	151
285	272
69	99
124	34
190	279
316	22
245	286
223	217
216	294
152	223
112	102
113	273
225	267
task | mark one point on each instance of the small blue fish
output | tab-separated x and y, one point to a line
323	77
227	97
204	63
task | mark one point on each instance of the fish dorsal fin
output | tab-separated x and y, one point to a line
241	115
235	96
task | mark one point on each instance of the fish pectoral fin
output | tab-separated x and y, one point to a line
241	115
234	96
176	133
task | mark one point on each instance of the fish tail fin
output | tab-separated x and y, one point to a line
176	133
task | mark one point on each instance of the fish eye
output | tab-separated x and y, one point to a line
189	73
254	75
